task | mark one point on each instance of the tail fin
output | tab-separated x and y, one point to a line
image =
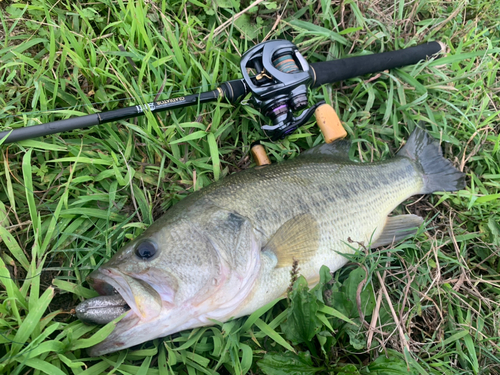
438	173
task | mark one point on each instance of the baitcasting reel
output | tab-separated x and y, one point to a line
279	86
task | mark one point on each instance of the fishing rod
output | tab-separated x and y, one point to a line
278	86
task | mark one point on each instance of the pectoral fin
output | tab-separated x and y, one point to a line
397	228
297	239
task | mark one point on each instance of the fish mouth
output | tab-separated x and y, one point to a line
102	287
119	292
139	297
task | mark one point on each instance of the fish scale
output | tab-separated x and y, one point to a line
228	249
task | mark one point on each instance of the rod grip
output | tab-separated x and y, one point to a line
339	70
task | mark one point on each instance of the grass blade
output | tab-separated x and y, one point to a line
32	320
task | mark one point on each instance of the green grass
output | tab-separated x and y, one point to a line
69	201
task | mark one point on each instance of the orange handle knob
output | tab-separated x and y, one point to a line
259	154
329	123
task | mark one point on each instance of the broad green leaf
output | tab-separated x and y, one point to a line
214	153
93	213
71	364
4	220
28	188
8	182
288	364
97	369
144	206
194	337
77	289
97	337
331	311
488	198
462	56
246	357
41	145
494	228
319	30
472	357
325	277
14	247
191	137
143	370
302	322
41	348
82	159
247	26
257	314
351	288
13	293
391	363
455	337
12	51
37	346
357	338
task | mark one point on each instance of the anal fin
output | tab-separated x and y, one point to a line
297	239
397	228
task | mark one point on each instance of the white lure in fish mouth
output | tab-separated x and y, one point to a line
142	299
144	303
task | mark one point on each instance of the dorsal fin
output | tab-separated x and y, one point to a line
338	149
297	239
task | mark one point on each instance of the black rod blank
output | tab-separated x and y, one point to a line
53	127
73	123
232	91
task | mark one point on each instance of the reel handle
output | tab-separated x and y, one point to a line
328	122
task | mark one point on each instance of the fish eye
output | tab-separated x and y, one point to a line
146	249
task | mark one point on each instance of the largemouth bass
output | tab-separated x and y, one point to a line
227	250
